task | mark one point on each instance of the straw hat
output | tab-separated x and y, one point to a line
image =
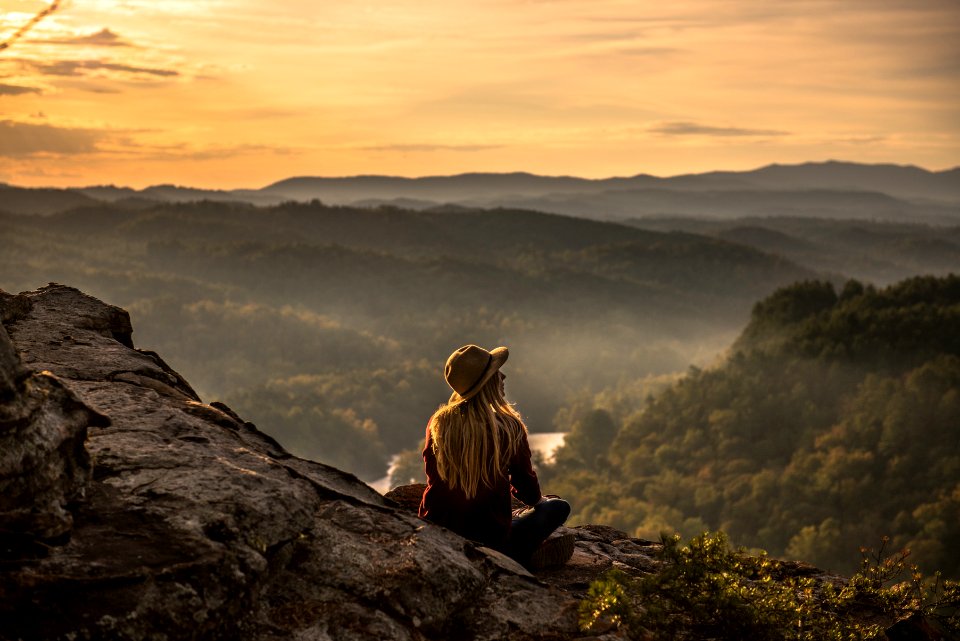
470	367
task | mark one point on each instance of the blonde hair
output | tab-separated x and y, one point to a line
474	440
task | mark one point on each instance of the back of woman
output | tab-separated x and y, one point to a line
476	455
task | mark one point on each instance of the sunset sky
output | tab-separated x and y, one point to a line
241	93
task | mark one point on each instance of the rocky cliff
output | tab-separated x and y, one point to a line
130	509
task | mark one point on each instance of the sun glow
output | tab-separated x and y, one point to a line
240	93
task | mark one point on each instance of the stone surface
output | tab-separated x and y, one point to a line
11	372
44	467
196	525
597	548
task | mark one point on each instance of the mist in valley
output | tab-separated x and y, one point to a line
328	326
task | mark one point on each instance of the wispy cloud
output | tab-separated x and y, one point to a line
178	152
16	90
42	139
85	67
94	87
861	140
646	51
18	139
102	38
413	147
697	129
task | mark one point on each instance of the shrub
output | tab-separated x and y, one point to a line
707	590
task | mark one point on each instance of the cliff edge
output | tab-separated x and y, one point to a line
132	510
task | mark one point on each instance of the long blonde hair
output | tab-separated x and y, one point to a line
474	440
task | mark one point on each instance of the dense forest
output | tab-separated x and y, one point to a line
329	326
833	421
880	253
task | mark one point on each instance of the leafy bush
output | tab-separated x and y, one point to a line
707	590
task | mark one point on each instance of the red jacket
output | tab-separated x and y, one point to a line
486	517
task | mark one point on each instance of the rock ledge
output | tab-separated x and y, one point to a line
192	524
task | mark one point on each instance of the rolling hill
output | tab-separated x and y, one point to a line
826	190
302	311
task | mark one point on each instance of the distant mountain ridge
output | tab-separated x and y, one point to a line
41	200
829	189
901	181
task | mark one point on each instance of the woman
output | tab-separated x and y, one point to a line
476	455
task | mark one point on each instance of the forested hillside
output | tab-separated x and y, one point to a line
330	325
881	253
834	421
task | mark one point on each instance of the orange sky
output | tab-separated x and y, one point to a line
240	93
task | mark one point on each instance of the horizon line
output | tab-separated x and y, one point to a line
499	173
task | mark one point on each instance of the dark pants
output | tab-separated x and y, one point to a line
533	527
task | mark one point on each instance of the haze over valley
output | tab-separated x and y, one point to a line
774	354
327	324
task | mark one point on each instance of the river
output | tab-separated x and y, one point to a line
546	443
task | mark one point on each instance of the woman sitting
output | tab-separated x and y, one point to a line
476	455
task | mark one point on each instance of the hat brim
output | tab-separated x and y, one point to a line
498	357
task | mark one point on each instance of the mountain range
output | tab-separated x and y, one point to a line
829	189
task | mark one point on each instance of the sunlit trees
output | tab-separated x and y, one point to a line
836	420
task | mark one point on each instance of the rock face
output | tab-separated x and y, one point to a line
43	464
192	524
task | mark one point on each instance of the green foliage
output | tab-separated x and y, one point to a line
588	440
707	590
833	421
871	251
793	304
608	603
905	324
902	591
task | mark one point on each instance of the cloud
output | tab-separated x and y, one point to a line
647	51
102	38
429	147
861	140
82	67
92	87
183	151
696	129
16	90
42	140
27	139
